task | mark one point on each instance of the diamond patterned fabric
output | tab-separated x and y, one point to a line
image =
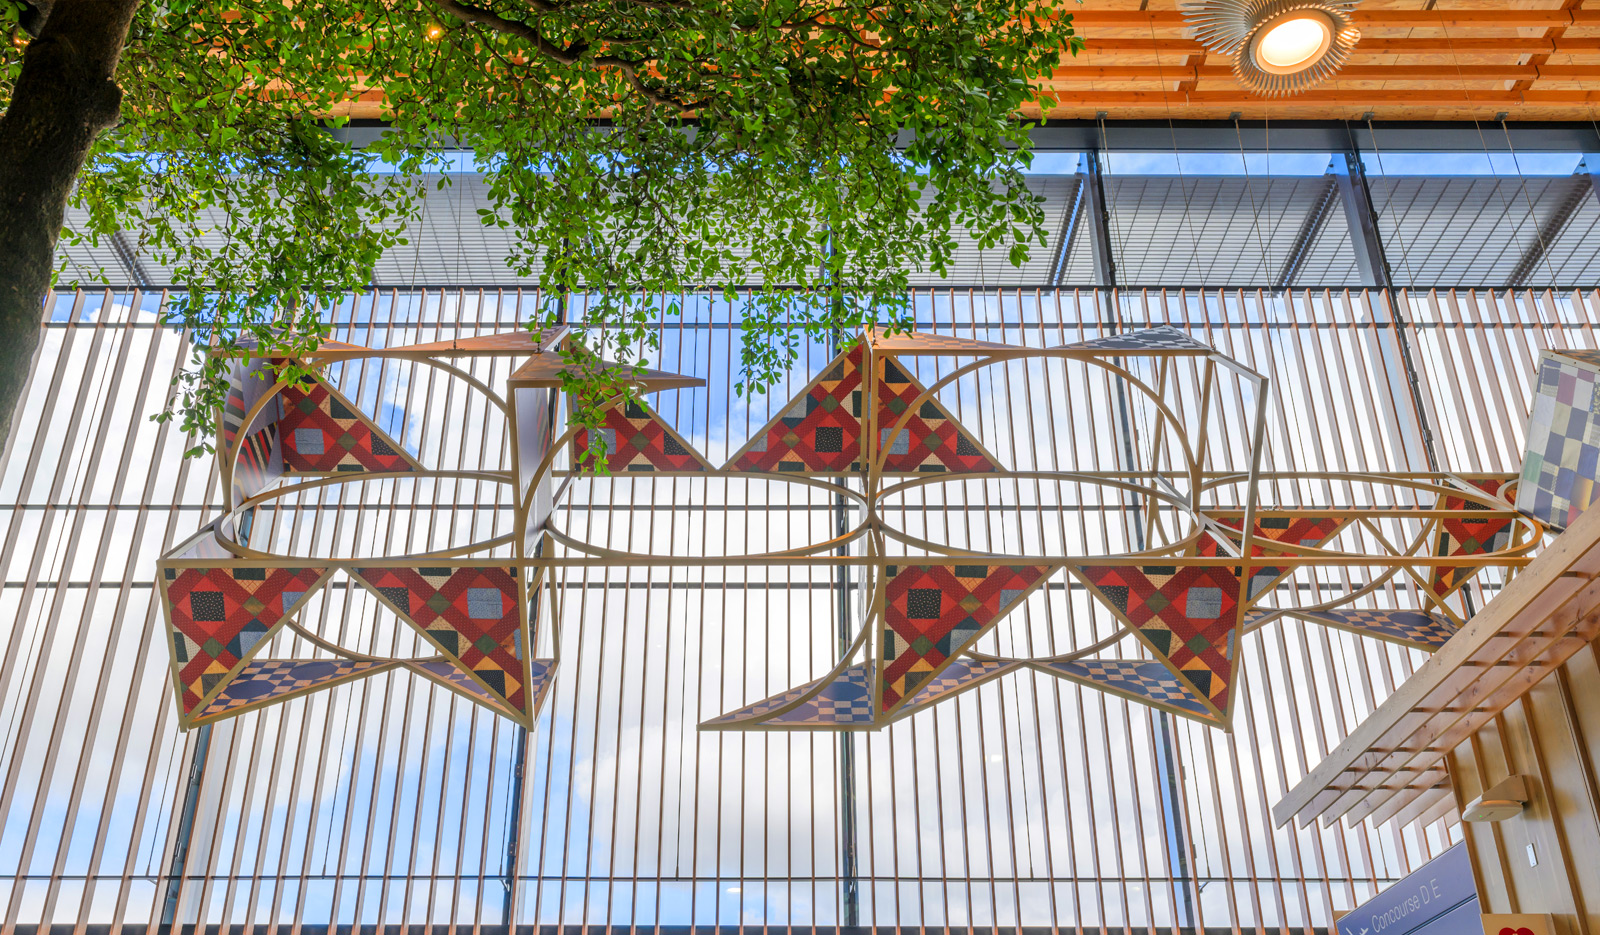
267	681
1161	338
961	675
1468	536
936	611
1140	679
470	614
323	434
541	674
821	431
219	614
1187	616
1417	628
637	441
1312	531
844	702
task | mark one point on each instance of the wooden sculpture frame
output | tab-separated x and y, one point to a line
908	660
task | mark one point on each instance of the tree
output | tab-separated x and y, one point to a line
818	149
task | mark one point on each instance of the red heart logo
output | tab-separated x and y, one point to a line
1521	931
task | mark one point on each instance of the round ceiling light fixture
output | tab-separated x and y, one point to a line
1278	47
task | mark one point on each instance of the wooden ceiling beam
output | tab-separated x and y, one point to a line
1366	19
1507	45
1186	72
1320	98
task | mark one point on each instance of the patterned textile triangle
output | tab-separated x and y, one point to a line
471	614
446	673
547	369
264	682
1163	339
1418	629
1188	616
1141	680
1291	531
324	433
637	441
932	441
841	703
218	615
934	612
962	674
1468	536
820	432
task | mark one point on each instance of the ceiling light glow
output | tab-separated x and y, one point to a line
1294	41
1278	47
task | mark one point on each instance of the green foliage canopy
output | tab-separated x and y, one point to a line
816	149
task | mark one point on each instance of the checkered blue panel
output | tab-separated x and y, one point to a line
1562	460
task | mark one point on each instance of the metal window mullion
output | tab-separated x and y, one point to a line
396	691
45	632
84	629
119	758
1279	378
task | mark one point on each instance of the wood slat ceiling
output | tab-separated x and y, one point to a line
1417	60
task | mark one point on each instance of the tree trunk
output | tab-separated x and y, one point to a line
65	96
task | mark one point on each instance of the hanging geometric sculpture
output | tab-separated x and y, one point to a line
225	601
867	430
1278	47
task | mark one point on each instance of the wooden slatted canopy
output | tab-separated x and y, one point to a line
1527	59
1461	59
1392	765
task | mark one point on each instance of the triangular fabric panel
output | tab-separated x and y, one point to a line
932	441
446	673
1420	629
638	442
471	614
323	433
841	703
1140	680
260	460
1468	536
1162	339
962	674
449	675
1189	616
820	432
218	615
264	682
1291	531
933	612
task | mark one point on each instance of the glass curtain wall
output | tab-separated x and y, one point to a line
1028	801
